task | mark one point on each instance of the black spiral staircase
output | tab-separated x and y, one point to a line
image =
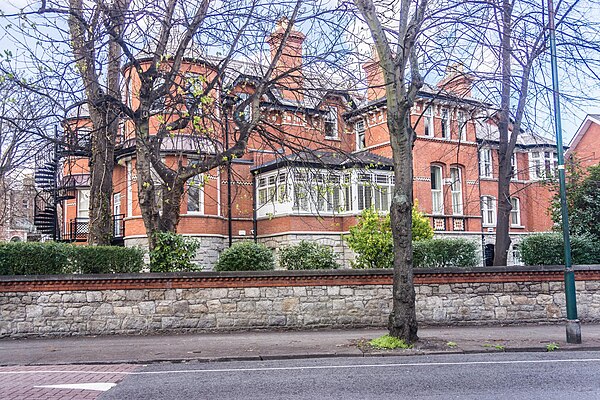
47	198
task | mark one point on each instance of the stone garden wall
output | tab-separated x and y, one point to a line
209	301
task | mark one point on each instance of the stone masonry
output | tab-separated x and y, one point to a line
151	310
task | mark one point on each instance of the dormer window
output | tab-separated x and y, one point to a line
331	123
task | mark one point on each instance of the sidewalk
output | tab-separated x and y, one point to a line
282	344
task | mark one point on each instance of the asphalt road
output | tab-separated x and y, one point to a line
556	375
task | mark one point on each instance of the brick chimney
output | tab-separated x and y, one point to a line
457	81
290	61
375	80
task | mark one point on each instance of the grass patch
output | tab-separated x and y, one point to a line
389	342
451	344
552	346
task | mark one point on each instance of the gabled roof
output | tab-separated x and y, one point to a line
331	160
585	125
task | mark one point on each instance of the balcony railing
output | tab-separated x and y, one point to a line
79	228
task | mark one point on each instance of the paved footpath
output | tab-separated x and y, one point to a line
84	367
64	382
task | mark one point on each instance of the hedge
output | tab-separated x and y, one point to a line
548	249
308	255
30	258
246	256
441	253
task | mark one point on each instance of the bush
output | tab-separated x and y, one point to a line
173	252
107	259
548	249
308	255
371	238
34	258
246	256
60	258
440	253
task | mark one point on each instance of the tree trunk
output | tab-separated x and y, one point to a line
403	320
172	196
102	164
504	207
146	184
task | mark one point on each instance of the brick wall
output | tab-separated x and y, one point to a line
153	303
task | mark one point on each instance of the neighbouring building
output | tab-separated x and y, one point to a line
584	147
280	196
17	211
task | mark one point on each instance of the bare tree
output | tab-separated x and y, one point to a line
398	58
514	73
23	127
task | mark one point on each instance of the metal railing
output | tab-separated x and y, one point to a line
79	228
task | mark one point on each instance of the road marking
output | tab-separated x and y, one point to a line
192	371
98	386
425	364
62	372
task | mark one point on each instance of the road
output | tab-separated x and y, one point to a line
555	375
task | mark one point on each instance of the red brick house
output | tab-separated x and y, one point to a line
279	196
584	145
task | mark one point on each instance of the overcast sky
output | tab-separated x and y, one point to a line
572	116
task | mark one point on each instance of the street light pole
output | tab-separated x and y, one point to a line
573	324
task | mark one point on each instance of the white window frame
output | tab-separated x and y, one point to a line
83	203
361	130
374	190
428	122
486	165
515	252
515	212
514	167
488	211
542	164
437	190
445	122
196	185
456	189
246	113
462	125
331	119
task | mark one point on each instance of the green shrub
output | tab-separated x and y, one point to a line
50	258
371	240
421	228
107	259
371	237
173	252
440	253
548	249
35	258
246	256
308	255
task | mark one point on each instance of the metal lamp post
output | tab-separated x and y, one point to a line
573	324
